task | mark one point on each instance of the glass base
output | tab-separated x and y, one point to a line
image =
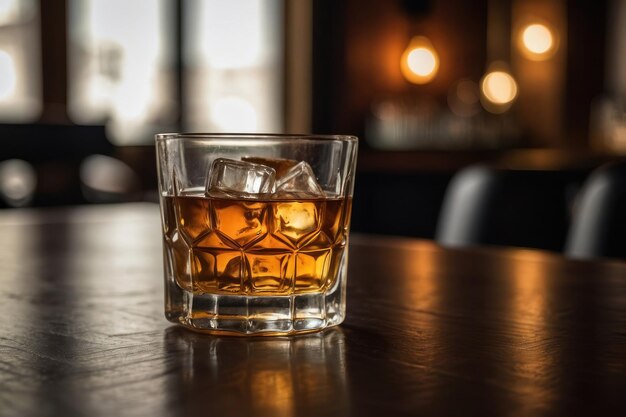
242	315
260	315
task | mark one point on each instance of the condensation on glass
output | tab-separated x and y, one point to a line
20	74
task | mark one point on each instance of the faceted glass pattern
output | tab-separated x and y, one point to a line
255	231
255	247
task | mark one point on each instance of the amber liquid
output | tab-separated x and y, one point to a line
255	247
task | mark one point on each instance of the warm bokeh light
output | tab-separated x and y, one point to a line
537	38
8	80
537	41
419	62
499	87
422	61
499	90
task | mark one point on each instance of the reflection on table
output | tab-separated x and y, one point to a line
270	376
429	330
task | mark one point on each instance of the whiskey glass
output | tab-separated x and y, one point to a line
255	230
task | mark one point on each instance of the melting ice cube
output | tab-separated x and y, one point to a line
299	181
240	179
281	166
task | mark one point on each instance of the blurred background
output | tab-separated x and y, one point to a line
530	89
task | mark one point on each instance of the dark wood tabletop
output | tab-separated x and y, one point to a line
430	331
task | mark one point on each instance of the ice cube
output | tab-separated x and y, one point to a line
299	181
240	179
280	165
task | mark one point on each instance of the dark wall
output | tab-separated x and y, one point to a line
586	32
357	50
358	45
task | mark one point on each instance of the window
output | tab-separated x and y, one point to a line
233	65
20	77
123	66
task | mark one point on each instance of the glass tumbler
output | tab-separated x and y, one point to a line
255	230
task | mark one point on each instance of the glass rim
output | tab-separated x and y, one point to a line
253	136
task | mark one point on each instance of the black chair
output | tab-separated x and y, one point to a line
599	222
54	164
509	207
54	153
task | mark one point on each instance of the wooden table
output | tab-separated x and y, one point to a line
430	331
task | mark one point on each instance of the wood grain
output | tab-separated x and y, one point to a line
430	331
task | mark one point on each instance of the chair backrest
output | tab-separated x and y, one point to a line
599	221
510	207
54	154
465	207
106	179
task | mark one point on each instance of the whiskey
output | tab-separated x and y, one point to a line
255	247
